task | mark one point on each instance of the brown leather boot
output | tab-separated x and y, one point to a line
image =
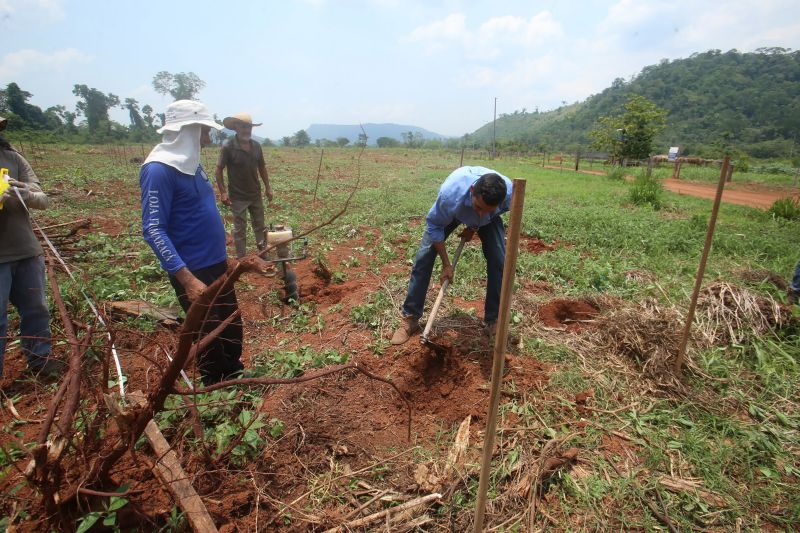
408	326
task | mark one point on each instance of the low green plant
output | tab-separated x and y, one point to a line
646	191
788	208
292	363
108	514
176	521
616	174
372	313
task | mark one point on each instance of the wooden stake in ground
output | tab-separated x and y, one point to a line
679	360
169	471
319	170
509	269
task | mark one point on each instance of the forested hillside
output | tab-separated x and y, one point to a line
750	101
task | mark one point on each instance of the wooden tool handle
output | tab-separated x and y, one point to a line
439	298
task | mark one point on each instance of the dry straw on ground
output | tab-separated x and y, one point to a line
727	314
648	335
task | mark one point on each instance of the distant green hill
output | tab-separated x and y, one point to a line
748	100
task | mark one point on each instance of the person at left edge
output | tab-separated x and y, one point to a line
22	271
182	225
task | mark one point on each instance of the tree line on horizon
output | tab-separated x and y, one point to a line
713	101
90	121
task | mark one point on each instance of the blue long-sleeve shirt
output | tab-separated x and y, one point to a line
180	220
454	202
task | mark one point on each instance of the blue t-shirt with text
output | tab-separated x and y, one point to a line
180	220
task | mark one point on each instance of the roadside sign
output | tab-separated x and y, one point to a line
673	153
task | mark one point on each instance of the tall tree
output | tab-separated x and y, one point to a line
181	86
55	116
15	102
630	135
387	142
148	116
301	139
94	106
137	122
411	139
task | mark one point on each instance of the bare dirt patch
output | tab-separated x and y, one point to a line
569	315
535	246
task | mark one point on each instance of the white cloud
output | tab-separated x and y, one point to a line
50	9
15	64
628	14
451	29
494	37
508	35
538	29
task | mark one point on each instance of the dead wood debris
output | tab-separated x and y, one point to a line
728	314
648	335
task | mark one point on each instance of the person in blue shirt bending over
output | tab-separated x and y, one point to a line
182	225
475	197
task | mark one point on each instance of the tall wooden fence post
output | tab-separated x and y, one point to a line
729	176
676	171
577	160
679	360
500	340
650	166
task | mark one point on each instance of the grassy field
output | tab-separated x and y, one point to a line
718	450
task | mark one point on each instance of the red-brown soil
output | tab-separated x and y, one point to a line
534	245
761	199
570	315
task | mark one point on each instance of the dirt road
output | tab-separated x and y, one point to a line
732	194
761	199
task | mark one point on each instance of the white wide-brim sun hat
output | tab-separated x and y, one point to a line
182	113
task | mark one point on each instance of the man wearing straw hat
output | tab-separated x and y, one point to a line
22	271
182	225
244	159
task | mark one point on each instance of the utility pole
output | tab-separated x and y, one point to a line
494	129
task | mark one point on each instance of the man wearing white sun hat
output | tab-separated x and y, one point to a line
182	225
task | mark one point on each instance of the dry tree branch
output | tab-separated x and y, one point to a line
68	393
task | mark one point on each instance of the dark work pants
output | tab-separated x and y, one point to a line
220	360
493	244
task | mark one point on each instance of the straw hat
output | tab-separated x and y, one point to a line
238	117
182	113
3	123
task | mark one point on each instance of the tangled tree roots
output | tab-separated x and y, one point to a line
728	314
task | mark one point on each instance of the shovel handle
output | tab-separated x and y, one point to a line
445	285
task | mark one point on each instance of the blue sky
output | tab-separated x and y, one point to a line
434	64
